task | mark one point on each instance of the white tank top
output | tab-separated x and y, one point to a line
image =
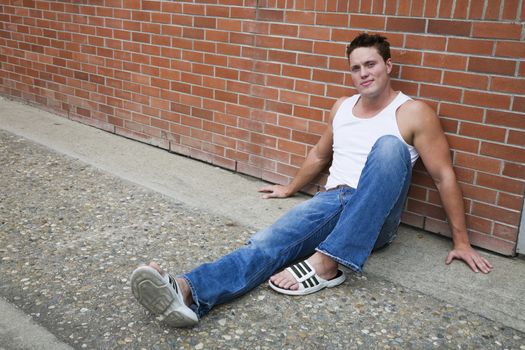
354	138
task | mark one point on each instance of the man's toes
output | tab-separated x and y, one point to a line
156	267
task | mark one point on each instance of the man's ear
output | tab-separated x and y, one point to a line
389	65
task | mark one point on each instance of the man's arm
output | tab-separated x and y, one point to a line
315	162
431	144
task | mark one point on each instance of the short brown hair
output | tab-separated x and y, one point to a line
370	40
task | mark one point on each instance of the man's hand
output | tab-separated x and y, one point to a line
471	257
275	191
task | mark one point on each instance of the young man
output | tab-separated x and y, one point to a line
373	140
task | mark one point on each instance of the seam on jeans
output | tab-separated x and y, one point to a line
350	264
408	168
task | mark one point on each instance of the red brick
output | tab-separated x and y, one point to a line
300	17
332	19
298	45
513	120
445	8
510	49
426	209
490	65
292	147
315	33
516	138
513	154
331	49
426	42
483	132
470	46
267	68
490	242
267	41
463	144
519	104
229	25
514	170
496	30
304	137
417	192
284	29
412	219
462	112
476	162
510	9
449	125
508	201
444	61
293	123
486	99
479	193
283	108
496	213
509	233
417	9
460	9
308	113
478	224
421	74
476	9
440	92
343	35
431	9
444	27
408	88
368	22
500	183
296	98
492	11
475	81
510	85
413	25
322	102
312	60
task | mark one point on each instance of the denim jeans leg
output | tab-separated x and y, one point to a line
378	200
294	236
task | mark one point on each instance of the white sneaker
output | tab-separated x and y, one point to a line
161	295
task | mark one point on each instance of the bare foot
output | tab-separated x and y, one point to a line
184	288
323	265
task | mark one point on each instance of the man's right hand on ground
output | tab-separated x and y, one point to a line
275	191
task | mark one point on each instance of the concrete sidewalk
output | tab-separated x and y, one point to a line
413	264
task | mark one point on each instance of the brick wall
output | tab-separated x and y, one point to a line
247	85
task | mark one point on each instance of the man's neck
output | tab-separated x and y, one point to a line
368	106
374	103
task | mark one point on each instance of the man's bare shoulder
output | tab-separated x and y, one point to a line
416	108
416	114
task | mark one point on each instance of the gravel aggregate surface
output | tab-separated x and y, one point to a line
70	236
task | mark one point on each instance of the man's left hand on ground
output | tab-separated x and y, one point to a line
471	257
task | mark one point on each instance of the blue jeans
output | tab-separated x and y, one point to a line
343	223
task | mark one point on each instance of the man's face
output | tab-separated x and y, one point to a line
369	72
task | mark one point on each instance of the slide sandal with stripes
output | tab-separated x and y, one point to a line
309	281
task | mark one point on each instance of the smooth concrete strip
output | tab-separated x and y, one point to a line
415	259
19	332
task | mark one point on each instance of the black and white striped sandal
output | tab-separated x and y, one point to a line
309	281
